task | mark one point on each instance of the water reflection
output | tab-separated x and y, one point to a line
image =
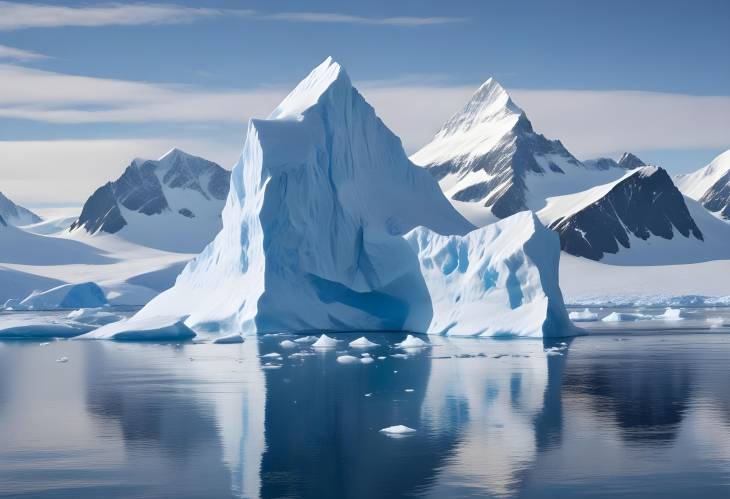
646	416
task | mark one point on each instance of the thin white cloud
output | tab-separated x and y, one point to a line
333	18
19	54
14	16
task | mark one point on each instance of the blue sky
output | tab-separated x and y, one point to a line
650	76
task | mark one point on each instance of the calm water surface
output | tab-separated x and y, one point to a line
630	411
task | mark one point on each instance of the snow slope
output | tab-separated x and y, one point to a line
313	228
640	219
13	214
488	155
172	204
129	274
710	185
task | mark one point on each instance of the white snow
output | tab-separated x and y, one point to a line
583	316
362	342
696	184
325	341
397	430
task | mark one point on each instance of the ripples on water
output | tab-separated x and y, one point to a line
625	412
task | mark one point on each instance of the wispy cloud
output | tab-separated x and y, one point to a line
14	16
332	18
19	54
590	123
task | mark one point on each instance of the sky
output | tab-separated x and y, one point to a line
85	87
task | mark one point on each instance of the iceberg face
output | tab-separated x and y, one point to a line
499	280
328	226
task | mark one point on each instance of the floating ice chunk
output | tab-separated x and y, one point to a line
623	317
62	359
412	342
301	354
368	394
408	390
38	327
381	357
271	366
367	360
670	314
399	356
397	430
93	316
287	344
271	355
348	359
306	339
551	352
152	329
363	342
325	341
365	354
44	344
584	316
230	339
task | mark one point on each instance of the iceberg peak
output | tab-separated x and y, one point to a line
311	89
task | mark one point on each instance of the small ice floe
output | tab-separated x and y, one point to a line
44	344
348	359
367	360
364	354
229	340
96	316
395	372
287	344
62	359
272	355
552	352
398	430
399	356
381	357
306	339
408	390
670	314
362	342
368	394
301	354
412	342
325	341
715	322
583	316
623	317
269	365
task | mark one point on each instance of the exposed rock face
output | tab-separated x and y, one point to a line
643	204
14	214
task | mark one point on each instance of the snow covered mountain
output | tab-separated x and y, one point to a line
710	185
627	161
173	203
488	155
313	239
14	214
640	219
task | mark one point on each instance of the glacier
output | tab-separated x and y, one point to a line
328	226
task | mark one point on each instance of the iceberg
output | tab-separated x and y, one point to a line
584	316
87	294
397	430
670	314
325	341
499	280
154	329
329	227
362	342
93	316
623	317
